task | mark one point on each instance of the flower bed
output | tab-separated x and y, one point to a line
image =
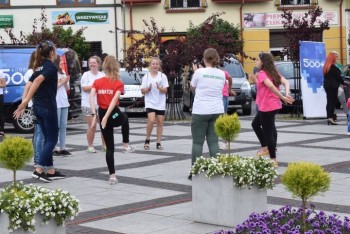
246	171
287	220
23	204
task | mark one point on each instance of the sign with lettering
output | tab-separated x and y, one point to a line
6	21
262	20
79	17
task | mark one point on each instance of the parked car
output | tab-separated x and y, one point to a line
240	85
14	64
132	100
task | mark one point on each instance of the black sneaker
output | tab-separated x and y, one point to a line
41	176
189	176
65	152
56	176
56	153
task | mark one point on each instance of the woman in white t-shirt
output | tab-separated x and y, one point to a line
208	83
87	80
62	110
154	86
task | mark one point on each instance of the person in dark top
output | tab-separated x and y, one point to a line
332	81
43	91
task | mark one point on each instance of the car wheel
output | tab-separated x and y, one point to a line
247	111
25	124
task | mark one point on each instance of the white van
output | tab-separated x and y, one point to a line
133	100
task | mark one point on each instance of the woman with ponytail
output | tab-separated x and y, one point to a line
108	90
43	91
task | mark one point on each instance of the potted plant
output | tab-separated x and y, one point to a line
27	207
304	180
226	189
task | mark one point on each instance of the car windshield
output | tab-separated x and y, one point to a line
234	69
286	70
131	78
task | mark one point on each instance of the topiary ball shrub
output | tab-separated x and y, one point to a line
227	127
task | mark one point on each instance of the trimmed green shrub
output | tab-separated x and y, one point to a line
14	153
227	127
305	180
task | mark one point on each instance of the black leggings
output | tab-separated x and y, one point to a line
108	136
265	129
332	98
2	122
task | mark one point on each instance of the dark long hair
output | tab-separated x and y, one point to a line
43	51
31	60
269	67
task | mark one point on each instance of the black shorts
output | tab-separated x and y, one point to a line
158	112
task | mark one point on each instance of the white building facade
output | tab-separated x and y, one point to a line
100	17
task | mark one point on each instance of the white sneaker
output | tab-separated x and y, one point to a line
348	133
113	180
129	149
91	149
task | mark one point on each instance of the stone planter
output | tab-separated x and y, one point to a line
49	228
217	201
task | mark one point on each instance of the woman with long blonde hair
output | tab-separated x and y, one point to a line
155	86
108	90
332	81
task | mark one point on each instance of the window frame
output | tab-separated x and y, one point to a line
75	4
185	4
3	5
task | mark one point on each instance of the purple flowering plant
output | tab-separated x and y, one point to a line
288	220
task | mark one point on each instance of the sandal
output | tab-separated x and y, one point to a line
159	146
146	146
262	153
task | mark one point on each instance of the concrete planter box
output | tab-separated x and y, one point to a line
49	228
217	201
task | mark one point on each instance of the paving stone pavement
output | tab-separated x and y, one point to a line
153	194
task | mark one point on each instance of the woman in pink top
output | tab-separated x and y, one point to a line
268	100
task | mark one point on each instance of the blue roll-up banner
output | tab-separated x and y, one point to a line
312	59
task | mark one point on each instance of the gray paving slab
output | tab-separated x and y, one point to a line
153	194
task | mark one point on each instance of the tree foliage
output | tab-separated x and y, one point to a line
306	28
214	32
62	37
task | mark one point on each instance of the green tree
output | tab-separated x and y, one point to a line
14	153
305	180
228	127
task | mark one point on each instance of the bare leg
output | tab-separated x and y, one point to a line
90	134
150	123
160	121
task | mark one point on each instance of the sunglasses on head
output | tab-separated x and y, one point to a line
261	55
49	44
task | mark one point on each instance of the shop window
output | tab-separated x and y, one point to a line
72	3
4	3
